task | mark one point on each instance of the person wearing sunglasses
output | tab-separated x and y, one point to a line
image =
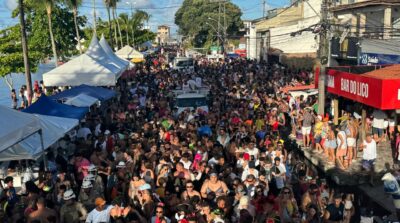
288	209
312	196
189	192
159	216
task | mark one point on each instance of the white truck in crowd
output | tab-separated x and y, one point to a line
193	96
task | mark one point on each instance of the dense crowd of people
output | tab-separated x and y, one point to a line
136	159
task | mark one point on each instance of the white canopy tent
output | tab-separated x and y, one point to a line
128	52
53	128
15	127
96	52
83	69
103	43
94	68
81	100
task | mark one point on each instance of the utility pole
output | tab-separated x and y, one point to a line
323	56
264	2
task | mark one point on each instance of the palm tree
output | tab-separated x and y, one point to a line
113	5
24	43
119	27
108	5
137	22
48	5
74	4
125	25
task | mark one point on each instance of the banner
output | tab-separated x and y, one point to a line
378	59
379	93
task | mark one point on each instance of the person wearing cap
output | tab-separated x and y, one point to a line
72	211
100	214
97	182
88	194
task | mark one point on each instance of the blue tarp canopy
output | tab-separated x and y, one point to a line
45	106
102	94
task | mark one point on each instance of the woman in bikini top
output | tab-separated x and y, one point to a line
213	185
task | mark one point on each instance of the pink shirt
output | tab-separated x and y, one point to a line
84	166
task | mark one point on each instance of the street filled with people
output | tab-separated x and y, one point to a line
139	158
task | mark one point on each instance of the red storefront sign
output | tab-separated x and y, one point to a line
383	94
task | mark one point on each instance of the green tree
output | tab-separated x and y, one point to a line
63	28
137	21
205	15
73	5
12	56
48	5
133	26
125	21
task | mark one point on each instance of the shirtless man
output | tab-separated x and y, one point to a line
42	214
351	134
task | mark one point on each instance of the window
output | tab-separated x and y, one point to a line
191	102
185	63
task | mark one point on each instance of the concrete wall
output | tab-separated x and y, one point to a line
252	40
308	10
299	44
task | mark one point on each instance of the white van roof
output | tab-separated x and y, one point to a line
190	95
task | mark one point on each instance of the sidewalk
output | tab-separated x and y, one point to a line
352	175
384	200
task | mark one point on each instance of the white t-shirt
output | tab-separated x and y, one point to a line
96	216
246	172
187	164
83	133
369	152
252	152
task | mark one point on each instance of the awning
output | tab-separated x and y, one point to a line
379	88
16	126
137	60
46	106
81	100
53	129
100	93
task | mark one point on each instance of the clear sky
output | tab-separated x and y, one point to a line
161	11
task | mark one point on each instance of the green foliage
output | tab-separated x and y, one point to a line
63	29
127	24
11	58
39	43
198	12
